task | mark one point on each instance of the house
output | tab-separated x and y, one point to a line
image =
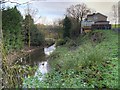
96	21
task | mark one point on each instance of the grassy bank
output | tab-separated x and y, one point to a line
90	61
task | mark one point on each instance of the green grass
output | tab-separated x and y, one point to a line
89	65
117	25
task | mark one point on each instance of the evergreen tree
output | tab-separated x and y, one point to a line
28	24
12	29
66	27
32	35
37	38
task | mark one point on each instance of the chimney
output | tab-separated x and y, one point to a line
93	13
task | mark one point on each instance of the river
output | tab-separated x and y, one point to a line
37	58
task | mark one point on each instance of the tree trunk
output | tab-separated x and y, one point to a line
80	28
29	39
81	31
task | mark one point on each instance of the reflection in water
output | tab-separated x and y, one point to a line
37	58
49	50
43	67
32	59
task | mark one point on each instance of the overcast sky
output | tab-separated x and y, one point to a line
51	10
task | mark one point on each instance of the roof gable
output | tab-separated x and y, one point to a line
89	15
101	14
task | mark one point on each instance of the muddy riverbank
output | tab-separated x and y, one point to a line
11	57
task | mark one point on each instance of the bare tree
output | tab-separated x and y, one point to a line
78	12
115	13
31	11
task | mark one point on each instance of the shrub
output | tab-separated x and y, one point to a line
60	42
49	42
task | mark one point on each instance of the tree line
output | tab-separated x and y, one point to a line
18	32
73	20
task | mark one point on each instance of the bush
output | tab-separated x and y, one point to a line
37	38
60	42
49	42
